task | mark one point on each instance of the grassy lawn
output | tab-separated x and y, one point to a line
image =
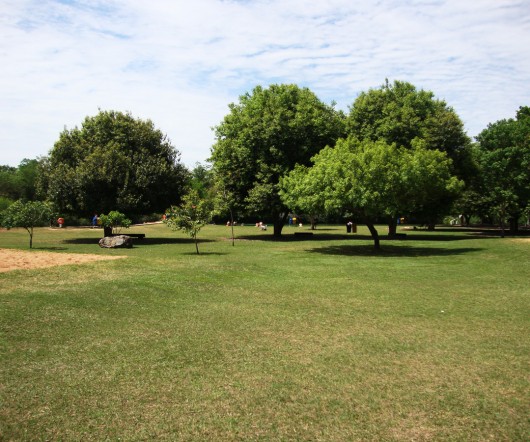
314	339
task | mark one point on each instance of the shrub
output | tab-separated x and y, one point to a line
115	221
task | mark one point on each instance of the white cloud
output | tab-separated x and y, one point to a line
181	63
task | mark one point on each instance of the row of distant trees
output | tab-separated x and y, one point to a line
399	151
17	182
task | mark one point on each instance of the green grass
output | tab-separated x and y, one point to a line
320	339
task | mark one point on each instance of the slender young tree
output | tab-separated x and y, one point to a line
27	215
190	216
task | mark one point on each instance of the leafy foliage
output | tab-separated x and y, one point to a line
113	161
399	113
19	182
4	203
263	137
190	216
298	192
201	180
396	113
27	215
504	158
371	179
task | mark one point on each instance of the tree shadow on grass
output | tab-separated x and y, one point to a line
391	251
204	254
402	237
50	248
471	232
158	241
432	236
140	242
291	237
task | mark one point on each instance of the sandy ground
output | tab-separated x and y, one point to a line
24	260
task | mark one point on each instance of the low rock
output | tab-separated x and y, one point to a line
116	242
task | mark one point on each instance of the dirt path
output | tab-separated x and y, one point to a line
24	260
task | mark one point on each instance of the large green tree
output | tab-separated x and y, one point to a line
263	137
504	157
113	162
400	113
371	180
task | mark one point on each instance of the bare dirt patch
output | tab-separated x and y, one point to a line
26	260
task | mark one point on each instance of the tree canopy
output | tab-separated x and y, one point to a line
113	162
263	137
297	190
401	114
19	182
504	158
371	179
201	180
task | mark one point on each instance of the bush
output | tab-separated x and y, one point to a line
115	220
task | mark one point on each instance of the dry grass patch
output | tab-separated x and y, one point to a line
521	240
26	260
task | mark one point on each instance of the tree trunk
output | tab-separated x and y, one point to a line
392	227
279	221
31	238
107	231
196	245
431	226
278	226
232	225
375	235
514	225
502	219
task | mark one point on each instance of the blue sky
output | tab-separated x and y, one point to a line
180	63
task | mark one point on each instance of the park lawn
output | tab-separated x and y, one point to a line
314	339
